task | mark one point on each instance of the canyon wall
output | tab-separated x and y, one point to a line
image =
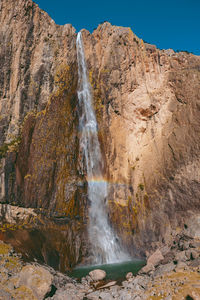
39	143
147	105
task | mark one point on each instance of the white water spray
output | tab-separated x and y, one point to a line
105	245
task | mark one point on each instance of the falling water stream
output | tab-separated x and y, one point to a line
104	242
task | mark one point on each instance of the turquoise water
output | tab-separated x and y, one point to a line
113	271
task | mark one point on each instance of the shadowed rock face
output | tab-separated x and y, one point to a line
147	106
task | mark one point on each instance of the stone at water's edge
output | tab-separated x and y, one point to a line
97	274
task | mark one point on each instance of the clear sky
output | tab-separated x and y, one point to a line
165	23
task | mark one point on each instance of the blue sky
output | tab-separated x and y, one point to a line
165	23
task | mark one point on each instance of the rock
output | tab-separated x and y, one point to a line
93	296
37	279
60	280
165	250
140	94
88	279
184	245
129	275
155	258
106	296
181	265
64	295
97	275
195	263
194	244
5	295
23	293
70	286
109	284
169	256
164	269
191	254
180	256
147	269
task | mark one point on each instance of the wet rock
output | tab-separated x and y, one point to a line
97	275
37	279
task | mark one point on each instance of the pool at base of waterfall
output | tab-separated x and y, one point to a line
115	271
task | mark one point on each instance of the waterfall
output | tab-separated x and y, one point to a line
104	242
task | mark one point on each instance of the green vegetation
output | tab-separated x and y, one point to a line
10	147
141	186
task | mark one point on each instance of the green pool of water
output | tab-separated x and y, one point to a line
114	271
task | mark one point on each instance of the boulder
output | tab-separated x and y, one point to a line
37	279
180	256
168	257
155	258
97	275
129	275
146	269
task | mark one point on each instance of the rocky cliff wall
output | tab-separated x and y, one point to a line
147	102
147	106
39	143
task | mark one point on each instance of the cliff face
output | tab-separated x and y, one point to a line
39	143
147	102
147	106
